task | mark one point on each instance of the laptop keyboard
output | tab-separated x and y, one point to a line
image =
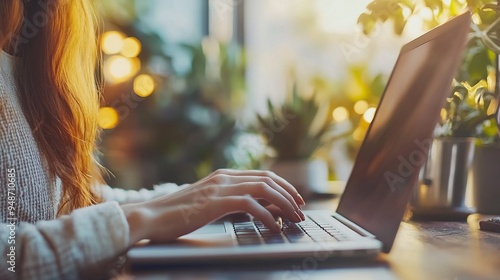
250	232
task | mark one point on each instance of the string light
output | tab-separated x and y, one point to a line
131	47
340	114
360	107
369	114
112	42
108	118
144	85
118	68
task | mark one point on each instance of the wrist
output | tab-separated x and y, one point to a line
138	222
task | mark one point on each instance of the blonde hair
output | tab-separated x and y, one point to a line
56	43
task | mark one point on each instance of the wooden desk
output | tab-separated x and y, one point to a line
422	250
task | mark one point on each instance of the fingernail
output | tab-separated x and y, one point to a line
302	201
297	216
278	227
302	215
279	222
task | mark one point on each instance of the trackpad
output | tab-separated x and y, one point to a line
213	228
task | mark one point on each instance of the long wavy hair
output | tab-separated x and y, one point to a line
55	41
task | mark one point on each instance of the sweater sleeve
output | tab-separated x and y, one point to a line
132	196
75	246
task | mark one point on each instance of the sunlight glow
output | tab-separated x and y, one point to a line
426	13
112	42
108	118
340	114
118	68
358	134
360	107
131	47
443	114
369	114
144	85
476	19
339	16
406	11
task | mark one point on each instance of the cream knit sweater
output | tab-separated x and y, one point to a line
41	246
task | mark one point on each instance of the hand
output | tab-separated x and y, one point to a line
222	192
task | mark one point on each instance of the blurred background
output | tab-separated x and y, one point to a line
189	84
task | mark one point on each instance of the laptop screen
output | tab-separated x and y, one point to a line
396	145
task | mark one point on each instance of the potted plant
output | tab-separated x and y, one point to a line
296	132
470	109
454	146
445	175
486	163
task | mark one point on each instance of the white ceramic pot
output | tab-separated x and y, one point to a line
308	176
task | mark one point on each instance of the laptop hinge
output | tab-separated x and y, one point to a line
361	231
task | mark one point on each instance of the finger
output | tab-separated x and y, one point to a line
263	190
222	206
275	211
194	194
264	202
251	206
279	180
257	179
189	217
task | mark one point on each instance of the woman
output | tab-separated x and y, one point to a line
58	220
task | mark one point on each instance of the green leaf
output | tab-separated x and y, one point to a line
399	23
434	5
409	4
477	63
368	23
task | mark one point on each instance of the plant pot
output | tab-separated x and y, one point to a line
441	191
307	176
486	179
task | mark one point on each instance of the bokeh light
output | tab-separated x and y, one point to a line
144	85
359	134
108	118
369	114
118	68
340	114
131	47
360	107
112	42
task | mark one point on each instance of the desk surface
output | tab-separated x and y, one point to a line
422	250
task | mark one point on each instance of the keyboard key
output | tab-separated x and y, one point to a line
274	239
255	232
299	239
249	242
295	234
247	234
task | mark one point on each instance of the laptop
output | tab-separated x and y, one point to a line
382	181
